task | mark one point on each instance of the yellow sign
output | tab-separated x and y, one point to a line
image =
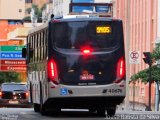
103	29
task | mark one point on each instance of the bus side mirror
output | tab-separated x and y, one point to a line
24	52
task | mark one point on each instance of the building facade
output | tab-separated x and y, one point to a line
61	7
140	18
12	9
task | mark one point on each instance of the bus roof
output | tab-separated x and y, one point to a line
74	18
84	17
38	28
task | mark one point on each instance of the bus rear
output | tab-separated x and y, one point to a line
86	64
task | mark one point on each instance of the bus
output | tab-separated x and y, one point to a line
76	63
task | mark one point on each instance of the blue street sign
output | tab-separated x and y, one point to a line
11	55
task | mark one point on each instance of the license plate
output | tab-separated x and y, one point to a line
13	102
87	77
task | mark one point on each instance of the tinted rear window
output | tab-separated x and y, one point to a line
96	34
12	87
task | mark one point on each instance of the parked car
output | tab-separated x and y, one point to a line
14	94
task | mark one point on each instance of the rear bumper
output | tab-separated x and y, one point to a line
65	96
109	90
11	102
83	102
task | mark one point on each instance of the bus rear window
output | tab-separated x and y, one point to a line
96	34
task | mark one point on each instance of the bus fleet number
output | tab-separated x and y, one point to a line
113	91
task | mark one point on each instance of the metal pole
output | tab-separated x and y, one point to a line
157	96
133	96
149	92
127	55
150	80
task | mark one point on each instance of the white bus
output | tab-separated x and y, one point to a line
77	63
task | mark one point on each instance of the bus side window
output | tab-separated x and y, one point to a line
34	38
42	45
35	59
30	49
45	44
38	47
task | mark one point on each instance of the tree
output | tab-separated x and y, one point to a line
155	69
37	12
9	77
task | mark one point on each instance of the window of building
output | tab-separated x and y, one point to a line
28	1
20	10
50	1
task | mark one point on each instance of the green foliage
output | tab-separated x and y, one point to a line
27	18
9	77
28	10
155	70
156	52
37	12
43	7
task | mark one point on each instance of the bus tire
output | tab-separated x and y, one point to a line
111	111
101	111
31	98
42	106
36	107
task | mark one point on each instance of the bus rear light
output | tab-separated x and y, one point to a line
86	51
120	70
52	70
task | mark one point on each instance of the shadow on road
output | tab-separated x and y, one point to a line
73	114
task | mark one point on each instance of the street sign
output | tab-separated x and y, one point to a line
134	57
11	59
13	62
13	68
11	48
11	55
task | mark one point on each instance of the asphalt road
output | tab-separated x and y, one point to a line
29	114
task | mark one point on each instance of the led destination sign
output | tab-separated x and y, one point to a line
103	29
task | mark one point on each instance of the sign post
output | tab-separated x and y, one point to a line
134	58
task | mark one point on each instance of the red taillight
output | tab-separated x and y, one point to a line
52	70
86	51
0	93
27	94
120	69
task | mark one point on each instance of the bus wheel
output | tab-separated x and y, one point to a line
36	107
101	111
111	111
42	106
31	98
43	109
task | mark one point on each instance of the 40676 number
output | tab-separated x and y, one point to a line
113	91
